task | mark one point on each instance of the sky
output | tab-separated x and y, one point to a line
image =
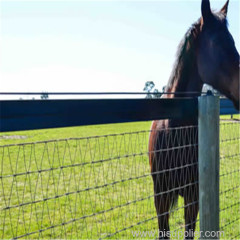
95	46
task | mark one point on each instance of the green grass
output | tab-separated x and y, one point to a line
121	200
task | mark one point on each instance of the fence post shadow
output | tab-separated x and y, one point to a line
208	156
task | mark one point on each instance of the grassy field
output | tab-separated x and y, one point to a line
90	187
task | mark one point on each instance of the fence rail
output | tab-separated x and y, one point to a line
39	114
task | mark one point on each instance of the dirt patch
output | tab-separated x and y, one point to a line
13	137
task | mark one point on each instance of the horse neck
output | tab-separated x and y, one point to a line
188	84
186	80
185	77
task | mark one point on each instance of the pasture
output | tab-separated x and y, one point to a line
90	187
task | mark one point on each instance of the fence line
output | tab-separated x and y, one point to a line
101	186
73	183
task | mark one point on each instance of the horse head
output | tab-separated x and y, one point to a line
217	57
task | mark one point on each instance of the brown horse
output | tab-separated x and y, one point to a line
207	54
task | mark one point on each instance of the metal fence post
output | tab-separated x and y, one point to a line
208	155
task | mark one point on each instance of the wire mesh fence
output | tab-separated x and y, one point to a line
230	178
102	186
92	187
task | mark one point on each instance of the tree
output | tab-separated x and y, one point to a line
156	94
152	92
44	96
164	88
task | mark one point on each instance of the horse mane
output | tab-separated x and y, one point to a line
186	55
185	58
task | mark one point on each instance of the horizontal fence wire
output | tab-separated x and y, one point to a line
99	93
229	178
98	187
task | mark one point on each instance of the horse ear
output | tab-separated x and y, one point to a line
225	8
206	11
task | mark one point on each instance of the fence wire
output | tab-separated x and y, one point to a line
93	187
230	179
102	186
